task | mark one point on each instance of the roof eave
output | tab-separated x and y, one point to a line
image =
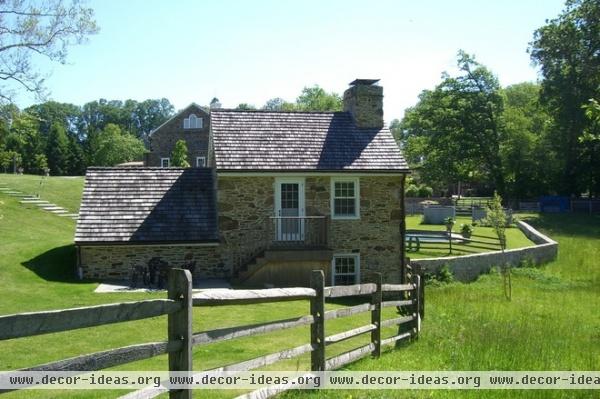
324	171
212	242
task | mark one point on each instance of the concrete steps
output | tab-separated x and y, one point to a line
52	208
28	199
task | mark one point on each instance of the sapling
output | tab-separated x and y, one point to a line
496	219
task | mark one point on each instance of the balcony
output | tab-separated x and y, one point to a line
299	232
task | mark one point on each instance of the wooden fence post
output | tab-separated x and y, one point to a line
417	311
421	297
180	327
317	329
376	299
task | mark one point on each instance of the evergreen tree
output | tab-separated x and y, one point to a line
179	155
57	150
76	159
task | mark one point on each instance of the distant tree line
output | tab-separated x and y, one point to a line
523	140
66	138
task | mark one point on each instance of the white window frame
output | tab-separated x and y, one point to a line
193	122
168	162
356	182
356	257
203	164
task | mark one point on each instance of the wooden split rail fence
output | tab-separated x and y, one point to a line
181	339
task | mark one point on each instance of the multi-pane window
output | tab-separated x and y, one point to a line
200	162
345	198
192	122
290	197
346	269
165	162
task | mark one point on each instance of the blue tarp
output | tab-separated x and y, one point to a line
555	204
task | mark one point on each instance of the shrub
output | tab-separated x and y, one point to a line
425	191
466	230
445	275
412	191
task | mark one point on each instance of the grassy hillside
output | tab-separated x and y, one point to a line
59	190
552	322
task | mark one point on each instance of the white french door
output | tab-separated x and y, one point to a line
289	209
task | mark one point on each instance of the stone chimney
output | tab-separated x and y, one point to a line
364	101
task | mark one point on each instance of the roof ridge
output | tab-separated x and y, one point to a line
275	111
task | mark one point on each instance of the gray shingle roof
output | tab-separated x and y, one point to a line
147	205
304	141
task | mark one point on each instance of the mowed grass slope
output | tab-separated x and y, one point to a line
552	323
60	190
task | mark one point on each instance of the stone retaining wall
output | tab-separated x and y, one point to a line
469	267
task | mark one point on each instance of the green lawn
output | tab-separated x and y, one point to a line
514	238
59	190
552	323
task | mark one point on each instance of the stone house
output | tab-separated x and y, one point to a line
191	124
283	193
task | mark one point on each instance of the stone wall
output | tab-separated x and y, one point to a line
246	204
115	262
162	141
469	267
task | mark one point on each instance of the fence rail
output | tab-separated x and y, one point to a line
181	339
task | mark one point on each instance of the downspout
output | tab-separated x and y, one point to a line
403	274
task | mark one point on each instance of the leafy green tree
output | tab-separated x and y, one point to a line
245	107
49	112
10	160
454	132
47	28
316	99
526	153
179	155
57	150
41	163
591	140
567	51
274	104
112	146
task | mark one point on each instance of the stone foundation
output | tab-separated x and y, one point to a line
115	262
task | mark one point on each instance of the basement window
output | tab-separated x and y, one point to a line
345	198
192	122
345	269
165	162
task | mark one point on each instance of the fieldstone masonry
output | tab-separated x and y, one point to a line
365	103
245	206
469	267
115	262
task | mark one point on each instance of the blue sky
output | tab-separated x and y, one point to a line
250	51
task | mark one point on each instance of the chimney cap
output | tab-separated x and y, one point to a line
366	82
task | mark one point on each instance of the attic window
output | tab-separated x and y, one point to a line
192	122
